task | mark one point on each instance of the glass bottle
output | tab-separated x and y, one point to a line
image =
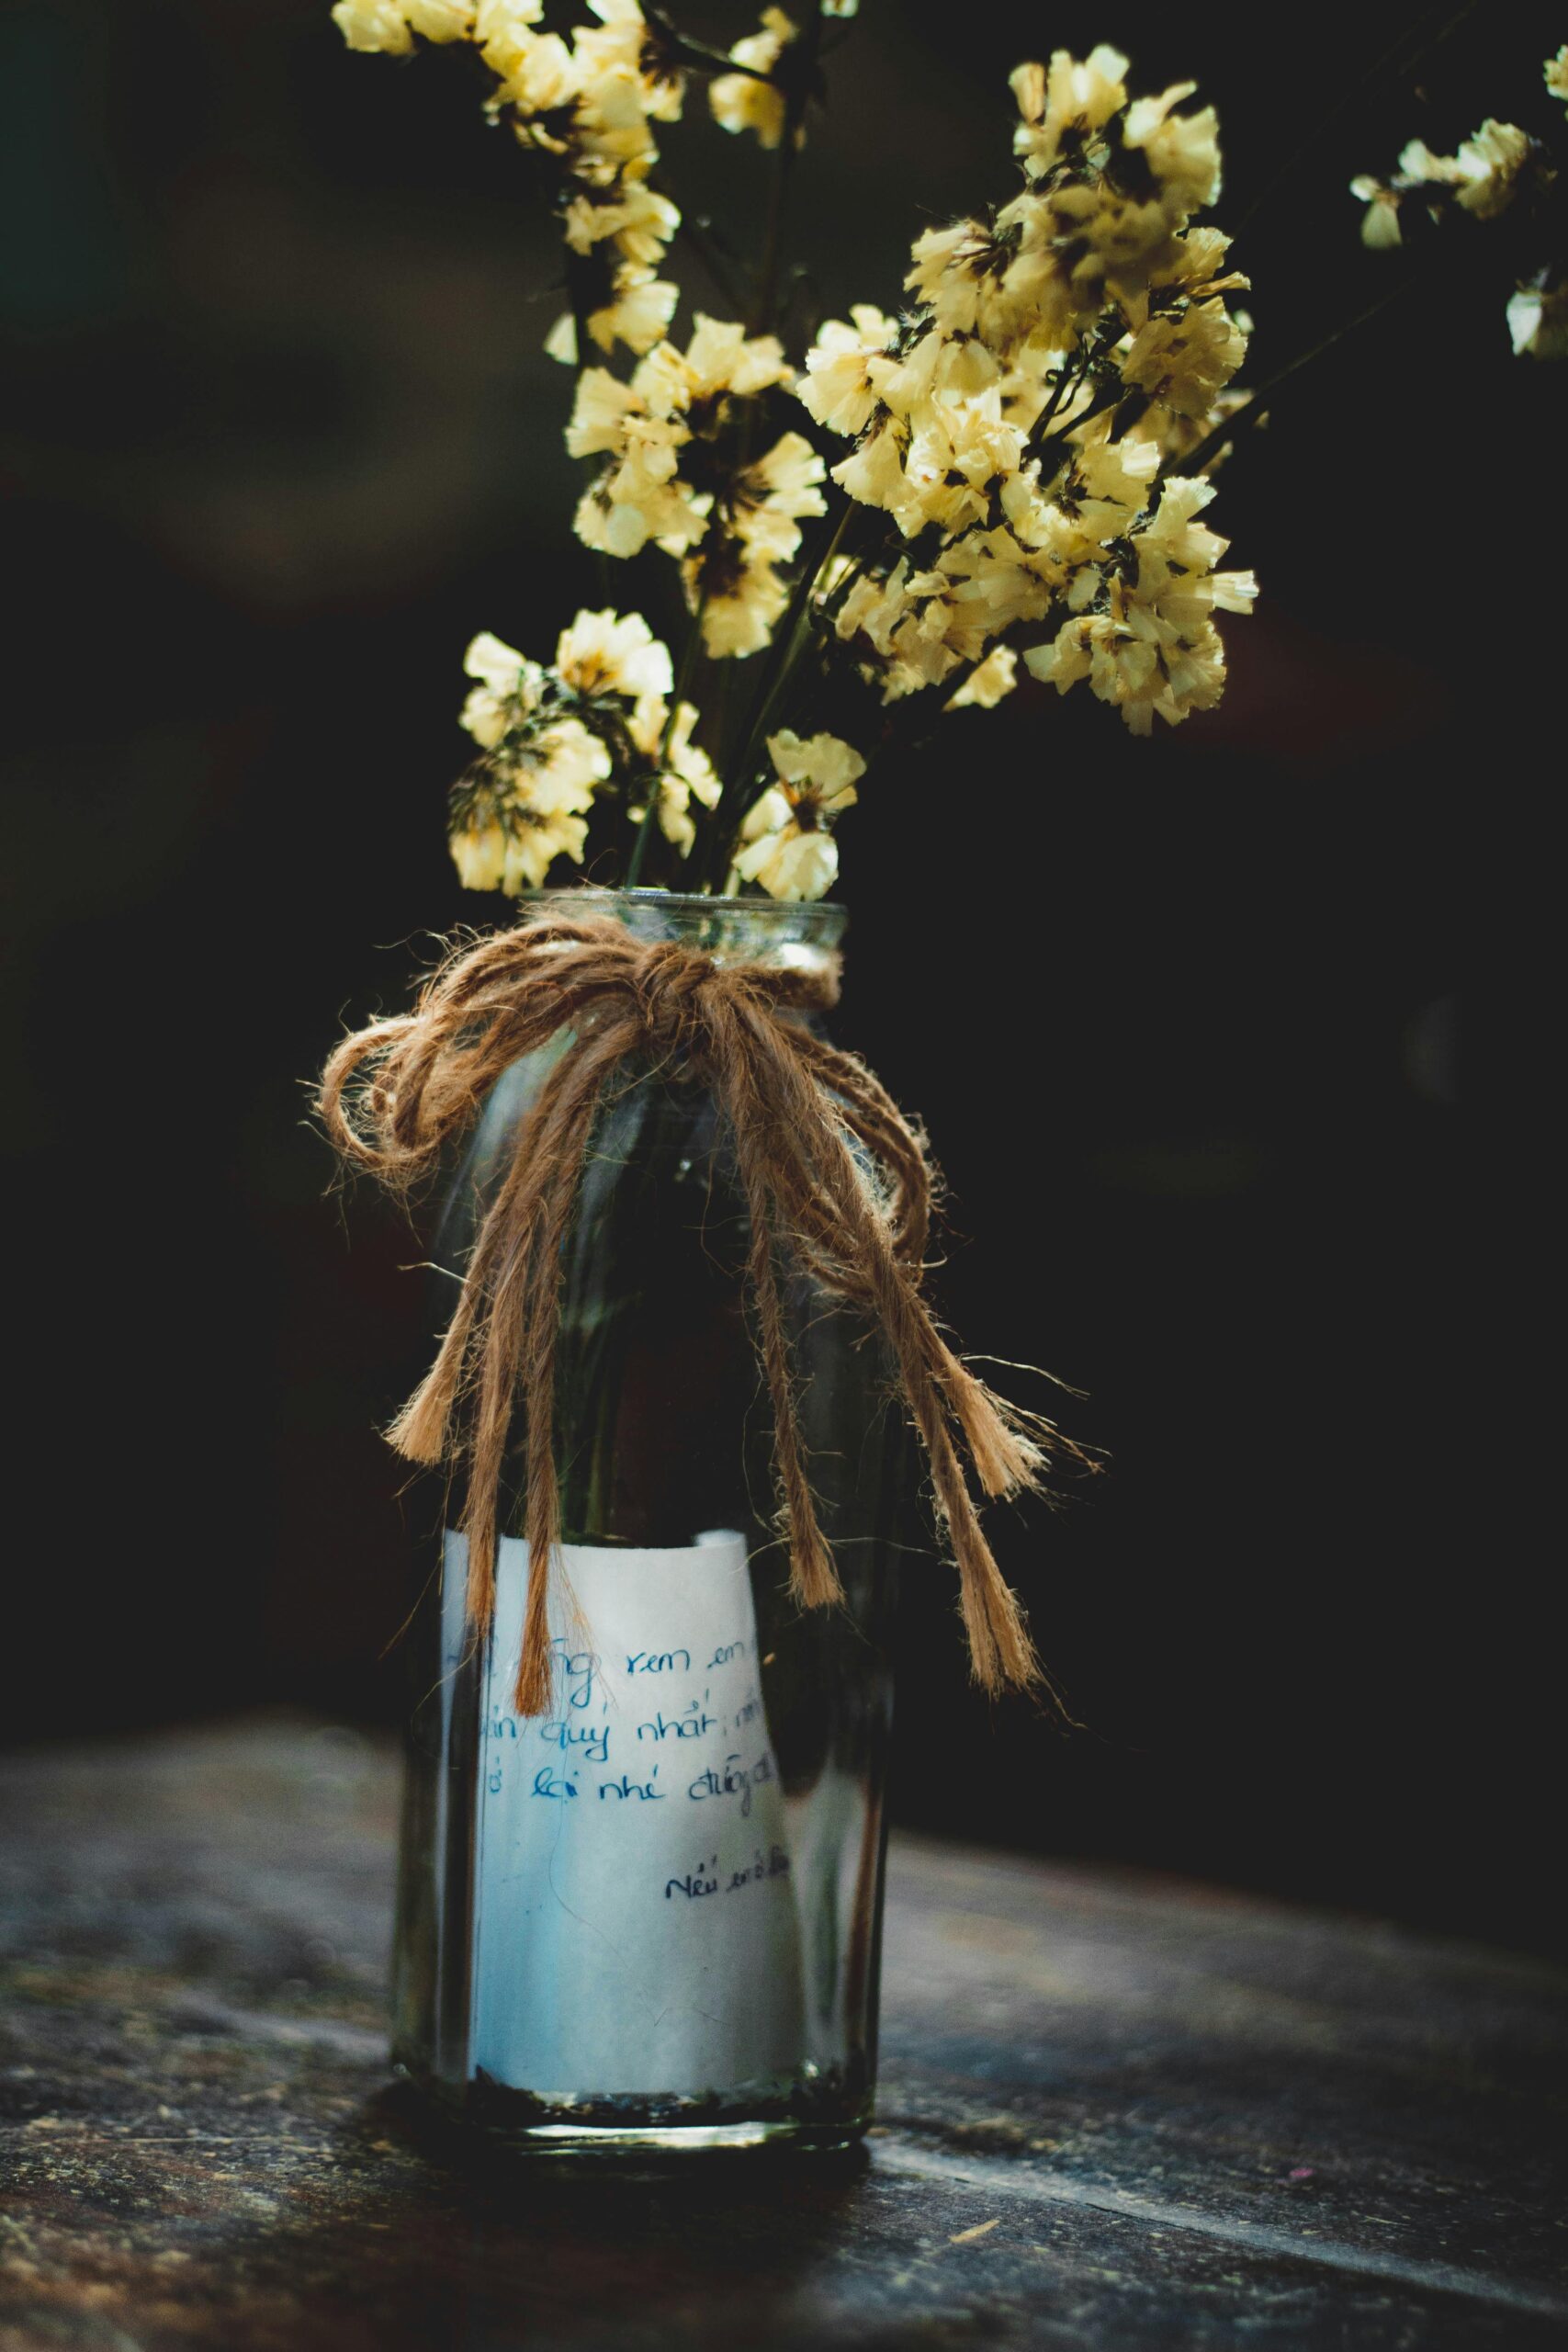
653	1918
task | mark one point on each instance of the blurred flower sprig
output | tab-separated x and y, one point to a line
1500	174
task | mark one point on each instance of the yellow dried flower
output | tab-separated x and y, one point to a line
1184	359
785	841
529	809
742	102
537	79
997	675
1182	150
686	773
732	580
389	26
1537	322
720	361
1062	107
509	687
838	388
616	653
637	314
625	42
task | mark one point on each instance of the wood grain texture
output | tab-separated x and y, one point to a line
1116	2112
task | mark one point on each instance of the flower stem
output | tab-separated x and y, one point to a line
798	87
699	55
644	842
788	643
704	245
577	274
1232	428
1111	396
1397	58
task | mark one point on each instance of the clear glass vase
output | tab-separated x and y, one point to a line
653	1917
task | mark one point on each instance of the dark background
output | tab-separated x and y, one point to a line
1184	1018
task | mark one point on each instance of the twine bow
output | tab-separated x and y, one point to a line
396	1092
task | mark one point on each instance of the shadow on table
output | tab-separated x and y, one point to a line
427	2238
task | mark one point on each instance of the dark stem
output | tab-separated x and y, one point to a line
1037	445
801	80
1232	428
1398	58
1067	384
699	55
697	235
645	831
787	642
578	272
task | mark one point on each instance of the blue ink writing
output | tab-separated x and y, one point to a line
566	1735
627	1787
735	1779
690	1725
579	1665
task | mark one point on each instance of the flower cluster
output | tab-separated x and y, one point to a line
1011	468
586	107
586	103
1484	177
597	725
675	472
1481	176
1014	423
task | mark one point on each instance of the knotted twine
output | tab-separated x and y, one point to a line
396	1093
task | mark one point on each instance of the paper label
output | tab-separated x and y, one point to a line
634	1926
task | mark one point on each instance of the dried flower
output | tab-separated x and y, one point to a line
684	772
1150	647
1483	173
745	101
1015	438
1184	359
1537	322
785	841
1062	106
389	26
526	804
988	681
840	386
608	653
510	687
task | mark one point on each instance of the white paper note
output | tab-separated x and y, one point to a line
635	1924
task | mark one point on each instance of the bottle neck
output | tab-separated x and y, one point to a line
800	934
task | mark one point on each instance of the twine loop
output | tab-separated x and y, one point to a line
834	1178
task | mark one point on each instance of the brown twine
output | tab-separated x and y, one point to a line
397	1092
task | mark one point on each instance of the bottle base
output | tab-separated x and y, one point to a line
811	2115
589	2140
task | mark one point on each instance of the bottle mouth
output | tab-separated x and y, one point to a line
786	928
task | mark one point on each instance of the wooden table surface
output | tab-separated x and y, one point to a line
1116	2112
